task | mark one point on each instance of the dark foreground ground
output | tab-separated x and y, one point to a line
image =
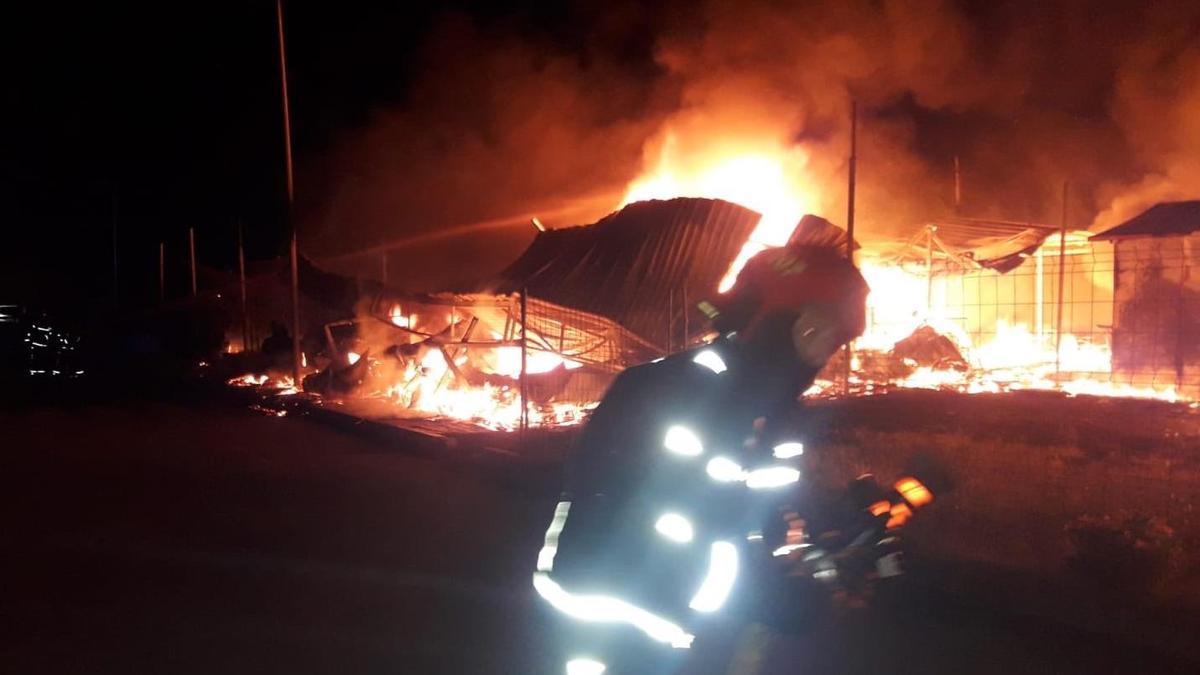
155	538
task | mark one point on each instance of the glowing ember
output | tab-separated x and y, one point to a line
398	317
508	362
248	380
431	387
282	385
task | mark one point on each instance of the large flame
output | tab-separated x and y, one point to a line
431	386
767	181
769	178
1011	357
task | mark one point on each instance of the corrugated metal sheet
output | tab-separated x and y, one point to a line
636	265
1160	220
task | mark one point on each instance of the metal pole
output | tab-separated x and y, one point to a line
686	333
1062	269
524	363
1039	292
116	276
851	186
853	169
670	316
192	256
291	195
162	265
242	283
929	274
957	186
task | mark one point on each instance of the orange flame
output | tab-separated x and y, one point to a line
769	178
1012	357
398	318
768	182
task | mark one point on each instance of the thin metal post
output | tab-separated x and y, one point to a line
1039	291
957	186
1062	269
116	275
242	284
291	195
686	307
524	360
192	256
851	178
670	317
929	274
1185	274
162	266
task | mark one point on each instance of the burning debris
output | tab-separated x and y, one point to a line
968	306
539	343
927	348
470	358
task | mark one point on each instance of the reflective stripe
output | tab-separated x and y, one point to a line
674	527
585	667
545	561
771	477
788	450
786	549
605	609
724	470
682	441
722	572
711	360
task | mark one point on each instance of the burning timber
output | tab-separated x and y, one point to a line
964	306
476	358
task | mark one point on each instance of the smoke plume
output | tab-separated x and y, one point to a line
561	121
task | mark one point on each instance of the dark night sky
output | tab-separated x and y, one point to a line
171	113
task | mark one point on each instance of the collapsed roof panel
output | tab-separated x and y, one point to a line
1161	220
635	266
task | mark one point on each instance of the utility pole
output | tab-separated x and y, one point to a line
162	266
929	273
116	276
1062	269
524	358
957	187
853	166
192	256
291	197
242	283
852	178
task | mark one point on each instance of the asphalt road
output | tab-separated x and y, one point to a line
153	538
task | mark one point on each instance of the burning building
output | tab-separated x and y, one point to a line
964	304
1156	297
546	334
1035	306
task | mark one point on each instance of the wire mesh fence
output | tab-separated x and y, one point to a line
1124	313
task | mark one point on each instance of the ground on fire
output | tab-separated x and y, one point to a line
207	537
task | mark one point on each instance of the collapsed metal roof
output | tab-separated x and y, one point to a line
643	266
1160	220
972	243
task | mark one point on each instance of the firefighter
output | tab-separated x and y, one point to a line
676	445
789	312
